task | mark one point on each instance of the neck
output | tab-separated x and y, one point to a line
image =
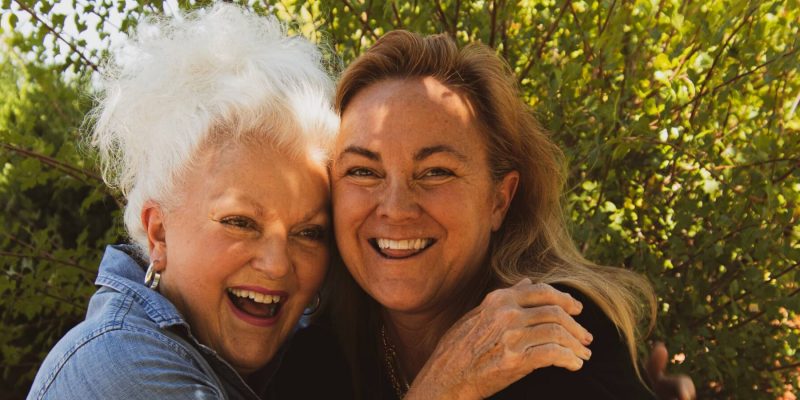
415	335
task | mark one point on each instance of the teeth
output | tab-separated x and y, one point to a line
405	244
255	296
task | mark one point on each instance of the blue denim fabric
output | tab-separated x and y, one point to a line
134	344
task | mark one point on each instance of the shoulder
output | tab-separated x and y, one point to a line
113	358
609	374
607	339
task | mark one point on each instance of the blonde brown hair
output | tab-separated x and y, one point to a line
534	241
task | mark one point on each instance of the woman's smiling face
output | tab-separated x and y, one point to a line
414	201
244	249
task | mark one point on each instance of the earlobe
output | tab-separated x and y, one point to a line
504	194
153	222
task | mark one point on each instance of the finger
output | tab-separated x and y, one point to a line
523	282
687	391
541	334
551	354
678	387
556	314
657	364
539	294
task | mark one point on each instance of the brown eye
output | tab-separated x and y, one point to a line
437	173
315	233
239	223
361	172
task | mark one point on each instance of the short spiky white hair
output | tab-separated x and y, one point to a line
220	72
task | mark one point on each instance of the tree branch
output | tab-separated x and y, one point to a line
443	17
58	35
60	165
493	24
455	19
550	31
785	367
587	48
608	18
364	22
722	49
398	22
47	258
758	314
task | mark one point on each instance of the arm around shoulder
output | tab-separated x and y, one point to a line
608	375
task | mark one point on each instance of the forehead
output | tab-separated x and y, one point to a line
262	175
418	110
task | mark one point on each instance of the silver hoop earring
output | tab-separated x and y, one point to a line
313	307
151	277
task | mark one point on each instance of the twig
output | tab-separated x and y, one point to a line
608	18
784	367
64	167
546	39
721	51
443	18
47	258
587	48
399	22
758	314
364	22
455	18
493	25
58	35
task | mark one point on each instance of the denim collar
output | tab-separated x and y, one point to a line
123	270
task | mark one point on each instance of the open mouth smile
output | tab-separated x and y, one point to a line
399	249
255	307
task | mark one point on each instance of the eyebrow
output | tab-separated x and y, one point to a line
361	151
323	209
422	154
426	152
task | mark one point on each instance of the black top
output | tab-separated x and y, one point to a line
609	374
314	367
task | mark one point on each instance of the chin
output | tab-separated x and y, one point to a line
405	299
250	364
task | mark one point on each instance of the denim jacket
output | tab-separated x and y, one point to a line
134	344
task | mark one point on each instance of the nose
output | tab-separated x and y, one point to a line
273	257
398	202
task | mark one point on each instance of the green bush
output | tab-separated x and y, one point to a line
680	121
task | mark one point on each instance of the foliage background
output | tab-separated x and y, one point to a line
679	118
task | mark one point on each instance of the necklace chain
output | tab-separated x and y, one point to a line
390	358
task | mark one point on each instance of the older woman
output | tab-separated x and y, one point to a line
444	189
212	127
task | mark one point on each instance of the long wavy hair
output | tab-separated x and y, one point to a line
534	241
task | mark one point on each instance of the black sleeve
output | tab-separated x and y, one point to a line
314	367
609	374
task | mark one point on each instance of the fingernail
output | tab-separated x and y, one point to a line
588	338
587	354
579	305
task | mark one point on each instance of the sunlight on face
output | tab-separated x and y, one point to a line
414	202
246	249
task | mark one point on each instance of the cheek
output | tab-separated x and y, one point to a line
458	207
350	205
311	269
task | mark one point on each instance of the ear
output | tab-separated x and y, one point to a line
153	223
504	194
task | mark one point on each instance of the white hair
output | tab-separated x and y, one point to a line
217	75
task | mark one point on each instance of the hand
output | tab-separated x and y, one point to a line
511	333
667	387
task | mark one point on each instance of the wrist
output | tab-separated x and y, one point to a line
430	385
